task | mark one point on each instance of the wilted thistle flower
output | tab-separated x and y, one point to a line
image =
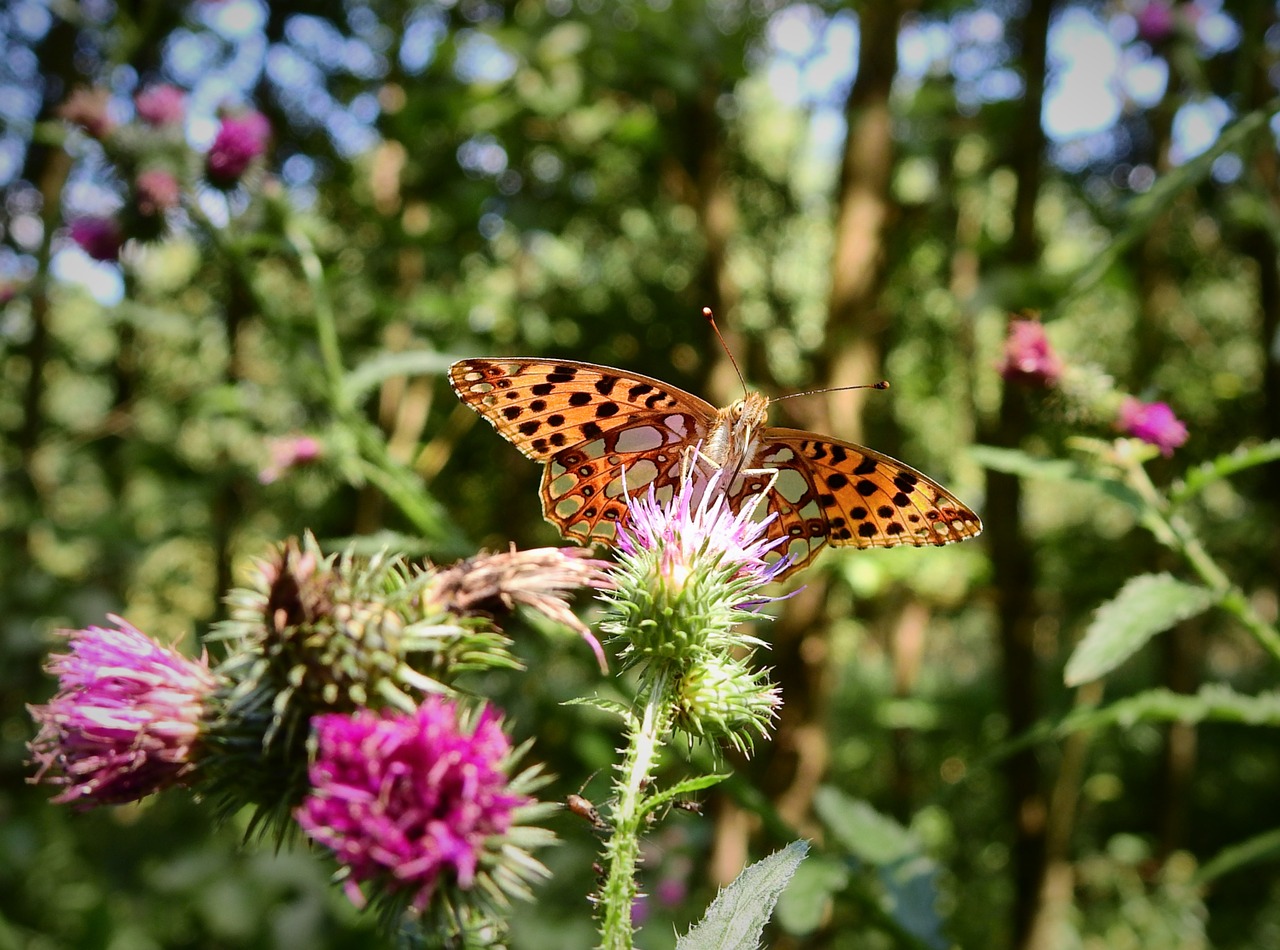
125	720
100	238
419	805
312	634
1153	423
690	569
87	108
1029	359
239	141
160	105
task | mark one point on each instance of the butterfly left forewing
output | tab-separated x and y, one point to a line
829	491
603	433
543	406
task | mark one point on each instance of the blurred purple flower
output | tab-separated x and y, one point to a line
409	801
1155	22
1029	359
1152	422
239	141
696	529
161	105
87	108
155	192
290	451
100	238
671	891
124	719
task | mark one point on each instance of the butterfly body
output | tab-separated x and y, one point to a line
605	433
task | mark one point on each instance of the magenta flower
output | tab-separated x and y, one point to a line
288	452
161	105
1153	423
1028	357
1155	22
696	528
124	720
155	192
239	141
411	802
100	238
87	108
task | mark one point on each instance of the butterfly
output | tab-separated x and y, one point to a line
603	434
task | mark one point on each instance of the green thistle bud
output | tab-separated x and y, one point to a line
720	697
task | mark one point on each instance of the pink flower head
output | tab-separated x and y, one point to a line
1155	21
100	238
409	801
124	720
1153	423
161	105
239	141
695	526
155	192
287	452
1028	357
87	108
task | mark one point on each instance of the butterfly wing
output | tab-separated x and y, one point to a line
602	433
829	491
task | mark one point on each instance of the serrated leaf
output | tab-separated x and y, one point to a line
1213	702
861	830
388	365
737	916
1147	604
1224	466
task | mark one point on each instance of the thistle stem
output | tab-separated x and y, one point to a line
644	743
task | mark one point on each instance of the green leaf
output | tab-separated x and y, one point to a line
373	372
686	787
1146	605
737	916
1017	462
1224	466
1214	702
804	903
861	830
1263	847
907	878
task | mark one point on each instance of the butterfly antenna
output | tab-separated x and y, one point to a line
883	384
711	319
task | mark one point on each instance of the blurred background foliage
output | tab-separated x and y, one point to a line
858	190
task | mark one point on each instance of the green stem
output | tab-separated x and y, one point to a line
1176	534
644	743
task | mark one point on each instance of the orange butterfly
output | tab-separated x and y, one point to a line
605	433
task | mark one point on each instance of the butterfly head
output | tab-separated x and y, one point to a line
750	413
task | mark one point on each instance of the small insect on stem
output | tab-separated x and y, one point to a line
583	808
689	805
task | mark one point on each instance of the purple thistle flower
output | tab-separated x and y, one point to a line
693	526
1029	359
1155	22
239	141
288	452
1153	423
155	192
125	719
160	105
100	238
409	801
